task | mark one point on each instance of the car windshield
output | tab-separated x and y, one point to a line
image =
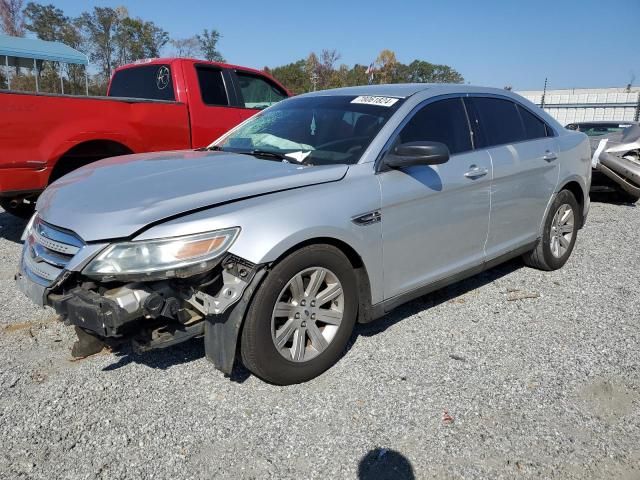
318	130
597	129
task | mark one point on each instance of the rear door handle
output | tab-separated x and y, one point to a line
476	172
549	156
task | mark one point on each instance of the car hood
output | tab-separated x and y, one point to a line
116	197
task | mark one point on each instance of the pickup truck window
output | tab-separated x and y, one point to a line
212	86
151	82
258	92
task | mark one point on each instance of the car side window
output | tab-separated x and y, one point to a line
257	92
533	126
212	87
443	121
498	122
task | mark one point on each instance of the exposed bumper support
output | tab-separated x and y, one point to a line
221	331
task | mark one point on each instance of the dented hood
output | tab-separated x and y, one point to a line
116	197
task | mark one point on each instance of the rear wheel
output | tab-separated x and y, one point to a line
559	234
301	317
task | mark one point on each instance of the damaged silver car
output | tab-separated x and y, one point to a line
324	210
616	157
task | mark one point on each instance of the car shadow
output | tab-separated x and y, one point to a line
165	358
11	227
385	464
193	349
434	299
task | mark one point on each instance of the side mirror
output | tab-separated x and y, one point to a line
417	153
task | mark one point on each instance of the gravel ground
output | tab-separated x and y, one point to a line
513	373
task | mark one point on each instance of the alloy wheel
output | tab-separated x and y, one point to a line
307	314
562	230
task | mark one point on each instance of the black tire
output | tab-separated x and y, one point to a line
626	197
541	257
257	349
22	209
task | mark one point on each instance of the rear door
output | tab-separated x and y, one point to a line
435	217
525	169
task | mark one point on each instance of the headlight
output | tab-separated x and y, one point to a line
173	257
28	228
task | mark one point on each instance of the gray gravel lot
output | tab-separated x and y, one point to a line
513	373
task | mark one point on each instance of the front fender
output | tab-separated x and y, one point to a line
273	224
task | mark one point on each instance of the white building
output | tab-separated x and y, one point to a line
588	104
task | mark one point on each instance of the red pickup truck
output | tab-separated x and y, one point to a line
160	104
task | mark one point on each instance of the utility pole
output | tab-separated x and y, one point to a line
637	115
544	93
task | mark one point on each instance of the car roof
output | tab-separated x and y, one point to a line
405	90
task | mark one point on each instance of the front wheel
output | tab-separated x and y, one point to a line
559	234
301	317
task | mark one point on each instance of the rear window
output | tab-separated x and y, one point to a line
152	82
533	126
498	121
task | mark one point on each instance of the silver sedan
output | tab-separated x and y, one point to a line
324	210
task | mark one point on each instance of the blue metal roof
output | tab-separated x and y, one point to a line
40	50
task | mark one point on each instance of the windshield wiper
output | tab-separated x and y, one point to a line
274	155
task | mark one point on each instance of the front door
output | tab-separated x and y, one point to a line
435	218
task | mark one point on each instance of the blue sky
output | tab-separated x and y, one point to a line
576	43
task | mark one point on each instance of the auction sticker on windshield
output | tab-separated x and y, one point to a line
371	100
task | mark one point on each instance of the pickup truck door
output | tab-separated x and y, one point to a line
212	101
435	217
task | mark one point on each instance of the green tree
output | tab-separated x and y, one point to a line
293	76
136	39
209	45
420	71
101	27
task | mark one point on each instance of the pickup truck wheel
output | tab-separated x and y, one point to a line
301	317
18	207
558	235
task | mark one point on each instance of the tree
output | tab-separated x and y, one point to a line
208	45
186	47
326	68
11	17
101	26
46	21
387	67
420	71
136	39
293	76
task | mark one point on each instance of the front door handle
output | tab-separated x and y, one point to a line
476	172
549	156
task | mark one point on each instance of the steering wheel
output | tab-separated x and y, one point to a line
347	142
